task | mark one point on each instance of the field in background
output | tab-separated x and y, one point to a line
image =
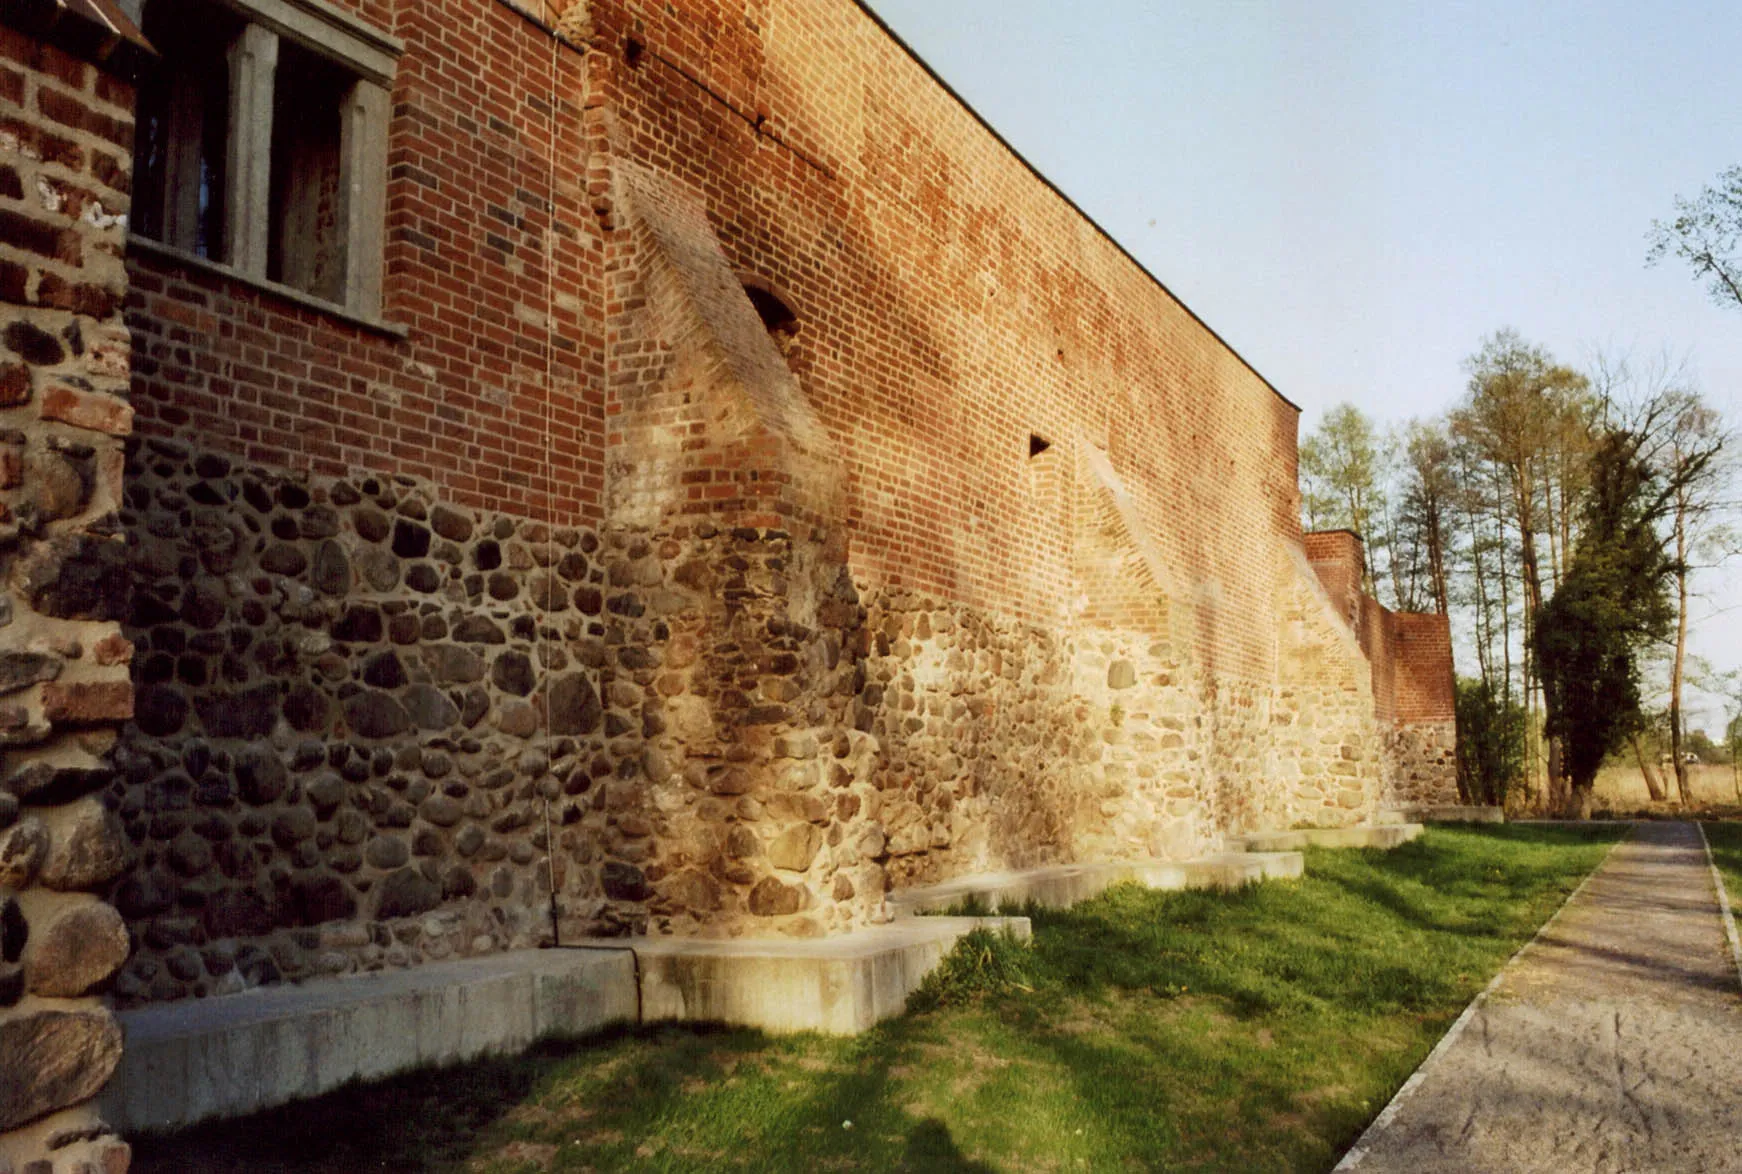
1622	788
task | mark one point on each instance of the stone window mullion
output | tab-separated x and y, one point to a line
247	220
363	192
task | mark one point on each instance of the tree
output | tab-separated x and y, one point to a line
1728	687
1525	419
1430	483
1689	455
1341	475
1612	602
1490	743
1703	749
1519	410
1706	232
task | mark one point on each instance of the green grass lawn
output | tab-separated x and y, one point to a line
1726	842
1252	1031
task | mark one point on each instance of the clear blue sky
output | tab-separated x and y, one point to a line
1354	192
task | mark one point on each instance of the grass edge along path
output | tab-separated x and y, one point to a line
1257	1030
1725	857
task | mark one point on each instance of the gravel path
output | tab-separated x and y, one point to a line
1614	1042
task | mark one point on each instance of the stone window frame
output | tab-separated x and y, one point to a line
371	57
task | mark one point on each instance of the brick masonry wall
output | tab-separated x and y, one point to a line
493	397
810	619
1411	669
65	140
1423	751
950	306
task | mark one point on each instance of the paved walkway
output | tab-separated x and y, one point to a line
1614	1043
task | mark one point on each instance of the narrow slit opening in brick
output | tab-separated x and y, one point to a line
1037	444
777	317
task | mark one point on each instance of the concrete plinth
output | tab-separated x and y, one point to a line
199	1058
1054	888
1233	870
224	1057
1388	835
842	985
1062	886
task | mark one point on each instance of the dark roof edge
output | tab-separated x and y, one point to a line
865	7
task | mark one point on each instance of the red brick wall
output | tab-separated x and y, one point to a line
1337	559
1411	655
951	304
1421	650
495	394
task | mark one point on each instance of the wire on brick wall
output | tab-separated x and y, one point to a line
539	636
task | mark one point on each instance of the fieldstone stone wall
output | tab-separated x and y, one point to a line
1327	750
740	797
1240	737
1422	758
65	135
1008	745
1144	790
355	702
1005	746
973	722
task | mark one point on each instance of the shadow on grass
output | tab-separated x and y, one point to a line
431	1118
1179	1030
930	1146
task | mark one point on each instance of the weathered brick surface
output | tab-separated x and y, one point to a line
496	394
812	615
1410	659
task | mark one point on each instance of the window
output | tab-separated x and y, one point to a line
179	148
262	143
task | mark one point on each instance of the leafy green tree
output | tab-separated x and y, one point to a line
1524	424
1490	743
1342	477
1706	232
1340	464
1612	602
1430	483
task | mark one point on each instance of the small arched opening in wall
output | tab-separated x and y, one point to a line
775	309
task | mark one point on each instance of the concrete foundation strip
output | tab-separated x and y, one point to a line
1358	1151
1723	904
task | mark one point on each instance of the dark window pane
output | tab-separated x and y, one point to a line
307	246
